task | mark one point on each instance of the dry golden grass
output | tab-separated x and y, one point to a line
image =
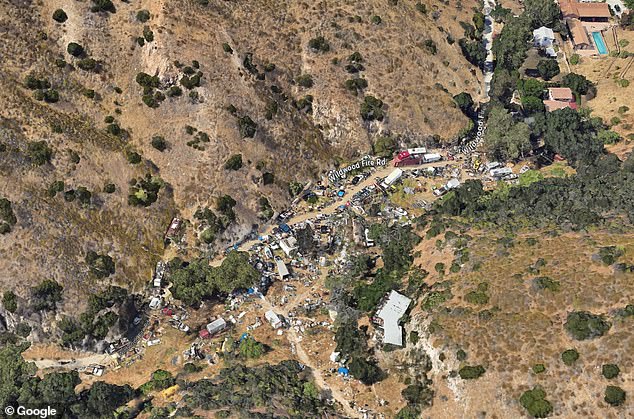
525	326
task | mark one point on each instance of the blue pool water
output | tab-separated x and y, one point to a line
600	43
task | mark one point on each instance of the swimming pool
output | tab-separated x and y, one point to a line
600	43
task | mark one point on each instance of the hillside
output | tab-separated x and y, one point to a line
97	114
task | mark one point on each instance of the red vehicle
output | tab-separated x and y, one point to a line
167	311
204	334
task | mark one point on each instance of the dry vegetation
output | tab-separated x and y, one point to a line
607	73
53	235
521	325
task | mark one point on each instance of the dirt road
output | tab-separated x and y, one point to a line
303	357
73	364
331	208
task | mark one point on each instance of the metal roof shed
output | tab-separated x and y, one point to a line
391	312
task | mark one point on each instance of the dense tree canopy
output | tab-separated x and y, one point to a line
197	280
506	139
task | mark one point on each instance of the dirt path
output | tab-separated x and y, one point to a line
73	364
295	340
331	208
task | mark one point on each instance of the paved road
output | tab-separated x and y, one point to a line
487	39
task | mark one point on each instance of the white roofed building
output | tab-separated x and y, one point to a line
288	245
282	270
543	37
390	314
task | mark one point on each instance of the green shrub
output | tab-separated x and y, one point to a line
39	152
535	403
614	395
471	372
548	68
113	129
461	355
319	44
75	49
103	6
109	188
87	64
569	356
227	48
372	109
478	296
60	16
148	35
144	191
250	348
23	330
159	143
56	187
191	368
430	46
51	96
418	394
101	266
146	80
421	8
304	80
356	85
46	295
413	337
546	283
247	127
143	15
610	371
191	82
575	59
610	254
268	178
376	20
582	325
10	301
133	157
366	371
539	368
31	82
74	157
234	162
174	91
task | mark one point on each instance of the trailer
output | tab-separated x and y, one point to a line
431	157
500	172
392	178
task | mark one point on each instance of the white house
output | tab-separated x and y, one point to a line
282	269
288	245
273	319
543	37
391	312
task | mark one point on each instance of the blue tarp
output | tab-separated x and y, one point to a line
285	228
244	336
343	371
341	193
